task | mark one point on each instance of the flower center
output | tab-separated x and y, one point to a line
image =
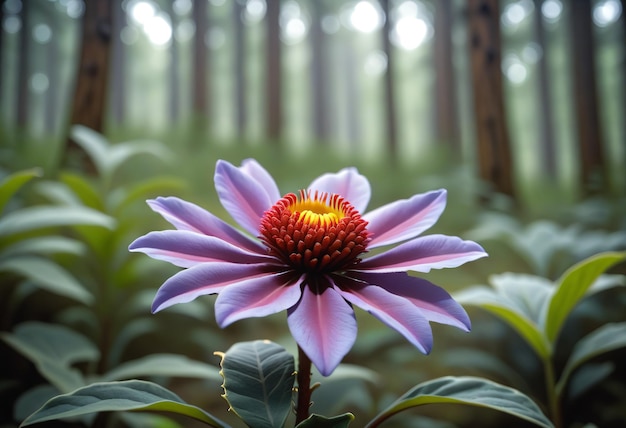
315	232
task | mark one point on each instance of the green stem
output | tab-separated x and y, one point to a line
553	397
304	386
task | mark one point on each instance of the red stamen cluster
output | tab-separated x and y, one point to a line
309	246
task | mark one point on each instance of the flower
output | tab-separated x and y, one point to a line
308	258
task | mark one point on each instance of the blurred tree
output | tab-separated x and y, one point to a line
590	152
240	68
319	73
273	72
200	86
23	66
174	70
447	122
390	102
93	68
1	47
52	71
118	65
494	153
546	132
350	75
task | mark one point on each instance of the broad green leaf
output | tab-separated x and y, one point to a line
470	391
120	153
45	245
605	339
14	182
258	382
33	218
171	365
510	312
116	397
317	421
573	285
57	193
48	276
33	399
53	349
345	388
84	189
528	294
94	144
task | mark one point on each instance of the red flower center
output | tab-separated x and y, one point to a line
315	232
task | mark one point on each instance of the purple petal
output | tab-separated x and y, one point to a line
205	278
423	254
242	195
187	216
404	219
395	311
258	297
348	183
185	249
433	301
260	174
324	326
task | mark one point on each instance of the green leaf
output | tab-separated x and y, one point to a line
509	312
317	421
14	182
48	276
125	196
45	245
258	382
470	391
84	189
116	397
53	349
573	285
605	339
171	365
33	218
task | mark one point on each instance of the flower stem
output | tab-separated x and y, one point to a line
304	386
553	397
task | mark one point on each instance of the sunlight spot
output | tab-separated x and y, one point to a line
294	30
514	69
407	8
330	24
12	6
185	30
513	14
12	24
181	7
42	33
142	11
551	10
375	63
409	32
365	17
158	29
39	83
215	38
531	53
255	10
75	8
607	12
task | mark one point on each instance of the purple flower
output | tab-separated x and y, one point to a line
307	257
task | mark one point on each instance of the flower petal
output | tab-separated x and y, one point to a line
187	216
423	254
258	297
260	174
205	278
242	195
433	301
324	326
185	249
348	183
404	219
395	311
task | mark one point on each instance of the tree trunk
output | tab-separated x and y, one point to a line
446	117
494	155
319	74
23	67
118	67
274	90
390	101
591	158
240	69
200	88
546	121
2	50
174	72
52	105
